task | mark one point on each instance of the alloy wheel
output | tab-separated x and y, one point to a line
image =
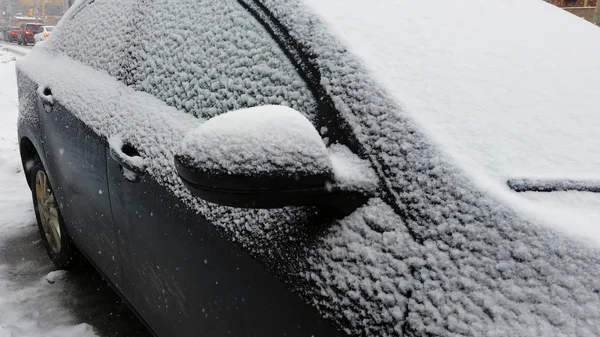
48	211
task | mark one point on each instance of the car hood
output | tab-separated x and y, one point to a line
508	90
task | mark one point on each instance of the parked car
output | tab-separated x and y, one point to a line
322	168
27	32
43	34
11	34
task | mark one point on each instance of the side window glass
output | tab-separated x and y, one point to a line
94	34
209	57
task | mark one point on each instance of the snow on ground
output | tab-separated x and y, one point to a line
506	94
29	304
15	48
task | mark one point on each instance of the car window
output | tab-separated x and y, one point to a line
209	57
33	28
49	28
99	45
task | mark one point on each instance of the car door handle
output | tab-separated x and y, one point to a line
45	94
130	162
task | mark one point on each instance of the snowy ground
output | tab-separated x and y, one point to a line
15	48
35	300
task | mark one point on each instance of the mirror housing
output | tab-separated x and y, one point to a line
262	157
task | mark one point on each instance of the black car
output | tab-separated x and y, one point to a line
10	34
233	169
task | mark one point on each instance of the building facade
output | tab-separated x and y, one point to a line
49	11
573	3
46	11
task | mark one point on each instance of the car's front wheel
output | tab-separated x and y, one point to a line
57	242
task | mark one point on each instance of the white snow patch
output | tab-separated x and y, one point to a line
5	57
41	91
14	49
56	275
26	309
255	141
351	172
116	144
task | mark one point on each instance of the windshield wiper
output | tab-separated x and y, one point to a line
553	185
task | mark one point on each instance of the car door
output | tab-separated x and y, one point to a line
74	146
184	275
76	160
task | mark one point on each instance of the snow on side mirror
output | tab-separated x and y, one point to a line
262	157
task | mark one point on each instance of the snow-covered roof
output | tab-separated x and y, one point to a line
27	18
445	248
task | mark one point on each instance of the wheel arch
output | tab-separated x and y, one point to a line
28	155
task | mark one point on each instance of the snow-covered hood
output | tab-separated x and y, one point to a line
509	89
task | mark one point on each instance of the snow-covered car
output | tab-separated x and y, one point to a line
323	168
43	34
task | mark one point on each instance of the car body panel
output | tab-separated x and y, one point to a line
43	35
75	158
27	32
186	279
11	34
240	295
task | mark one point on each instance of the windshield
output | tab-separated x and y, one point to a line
49	28
34	28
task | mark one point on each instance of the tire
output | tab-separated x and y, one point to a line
51	225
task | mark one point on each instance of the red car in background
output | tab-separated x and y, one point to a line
27	31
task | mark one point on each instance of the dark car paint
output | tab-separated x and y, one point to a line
177	256
84	202
176	270
181	276
7	36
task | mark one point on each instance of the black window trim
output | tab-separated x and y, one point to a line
337	128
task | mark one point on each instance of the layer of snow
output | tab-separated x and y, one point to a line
257	141
27	309
351	172
15	49
508	89
206	72
5	56
116	144
446	258
433	256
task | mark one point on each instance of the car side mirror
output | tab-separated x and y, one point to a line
262	157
